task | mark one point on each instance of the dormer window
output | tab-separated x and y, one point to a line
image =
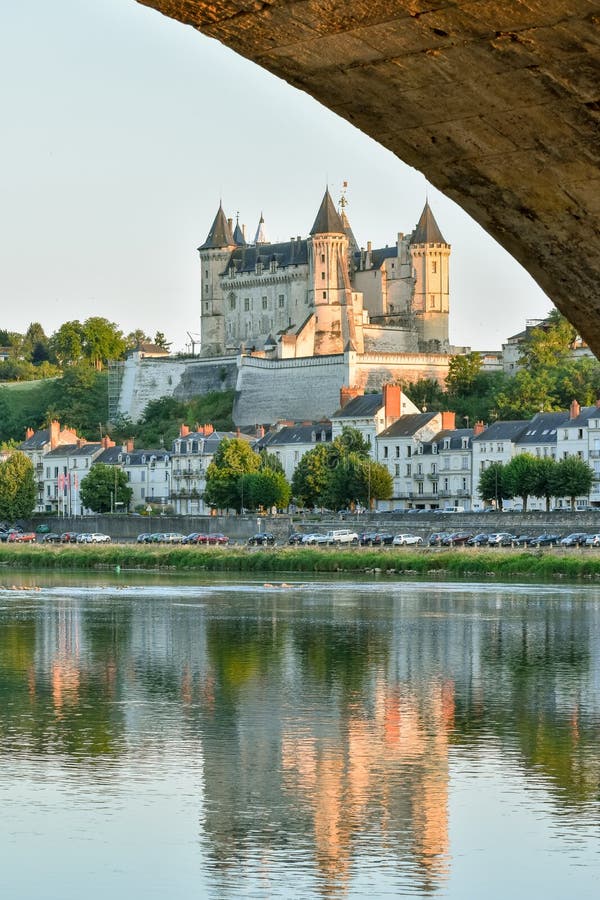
259	267
446	443
127	460
144	460
120	457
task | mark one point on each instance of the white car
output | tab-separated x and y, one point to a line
401	540
83	538
97	538
314	538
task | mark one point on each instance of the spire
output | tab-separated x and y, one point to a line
238	234
427	230
261	235
220	233
328	220
352	244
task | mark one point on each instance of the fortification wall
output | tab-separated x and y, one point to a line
371	371
308	388
149	379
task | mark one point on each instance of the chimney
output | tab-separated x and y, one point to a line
107	443
54	433
598	403
479	428
129	445
230	223
260	431
81	442
208	430
237	432
574	409
29	433
349	393
448	421
244	231
184	431
392	402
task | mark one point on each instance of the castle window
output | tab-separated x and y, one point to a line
281	301
322	257
206	273
246	304
324	295
232	302
322	276
265	303
385	452
434	267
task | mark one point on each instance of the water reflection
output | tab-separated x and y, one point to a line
331	724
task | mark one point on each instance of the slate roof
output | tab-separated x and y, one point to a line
110	456
328	220
427	230
542	428
73	450
407	426
456	436
362	407
295	434
211	442
238	236
220	233
586	413
503	431
38	440
290	253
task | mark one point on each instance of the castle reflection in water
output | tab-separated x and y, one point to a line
325	719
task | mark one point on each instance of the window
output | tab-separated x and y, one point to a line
397	451
206	273
434	267
408	470
397	469
385	452
281	301
420	469
446	443
465	462
232	303
464	484
580	434
142	493
420	487
142	475
265	303
246	304
500	448
433	468
409	451
324	295
434	487
322	257
322	276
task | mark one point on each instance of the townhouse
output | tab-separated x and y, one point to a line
370	414
289	441
401	448
148	473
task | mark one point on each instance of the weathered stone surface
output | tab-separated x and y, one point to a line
497	103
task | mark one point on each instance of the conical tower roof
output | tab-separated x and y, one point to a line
238	235
261	234
220	233
352	243
427	230
328	220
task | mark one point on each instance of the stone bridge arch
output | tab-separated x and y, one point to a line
497	102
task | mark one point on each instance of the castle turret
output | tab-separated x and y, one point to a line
261	234
214	254
430	255
329	287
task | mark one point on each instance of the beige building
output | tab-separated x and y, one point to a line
323	295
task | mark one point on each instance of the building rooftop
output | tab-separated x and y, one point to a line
408	426
363	407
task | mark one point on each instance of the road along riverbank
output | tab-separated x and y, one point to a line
540	564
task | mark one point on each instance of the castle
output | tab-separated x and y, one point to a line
287	325
323	295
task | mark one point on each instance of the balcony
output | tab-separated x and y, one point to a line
419	477
433	476
594	454
463	492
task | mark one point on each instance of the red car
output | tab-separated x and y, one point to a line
217	538
69	537
21	537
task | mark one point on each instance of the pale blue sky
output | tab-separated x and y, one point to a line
121	130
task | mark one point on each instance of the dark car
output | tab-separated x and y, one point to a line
261	539
375	538
577	539
478	540
367	538
51	538
437	538
456	539
5	535
295	538
523	540
545	540
142	538
68	537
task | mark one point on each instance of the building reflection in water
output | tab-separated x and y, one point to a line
326	736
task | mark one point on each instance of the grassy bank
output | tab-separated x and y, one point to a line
456	563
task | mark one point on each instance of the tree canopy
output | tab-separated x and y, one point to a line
17	487
105	489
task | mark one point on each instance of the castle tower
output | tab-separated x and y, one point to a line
261	235
214	254
431	299
329	289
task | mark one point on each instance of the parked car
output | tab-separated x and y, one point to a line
172	537
83	537
437	538
523	540
592	540
51	538
501	539
143	538
456	539
156	537
314	537
68	537
405	540
342	536
98	538
218	537
43	529
5	535
21	537
366	538
478	540
295	538
545	540
577	539
261	539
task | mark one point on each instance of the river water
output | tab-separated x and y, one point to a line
322	739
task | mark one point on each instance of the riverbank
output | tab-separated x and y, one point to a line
574	564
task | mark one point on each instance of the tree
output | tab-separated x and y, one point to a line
35	344
264	489
350	441
135	338
462	372
548	344
572	478
426	393
17	487
67	343
102	341
357	479
493	486
544	479
224	483
105	489
520	477
161	341
311	477
79	399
